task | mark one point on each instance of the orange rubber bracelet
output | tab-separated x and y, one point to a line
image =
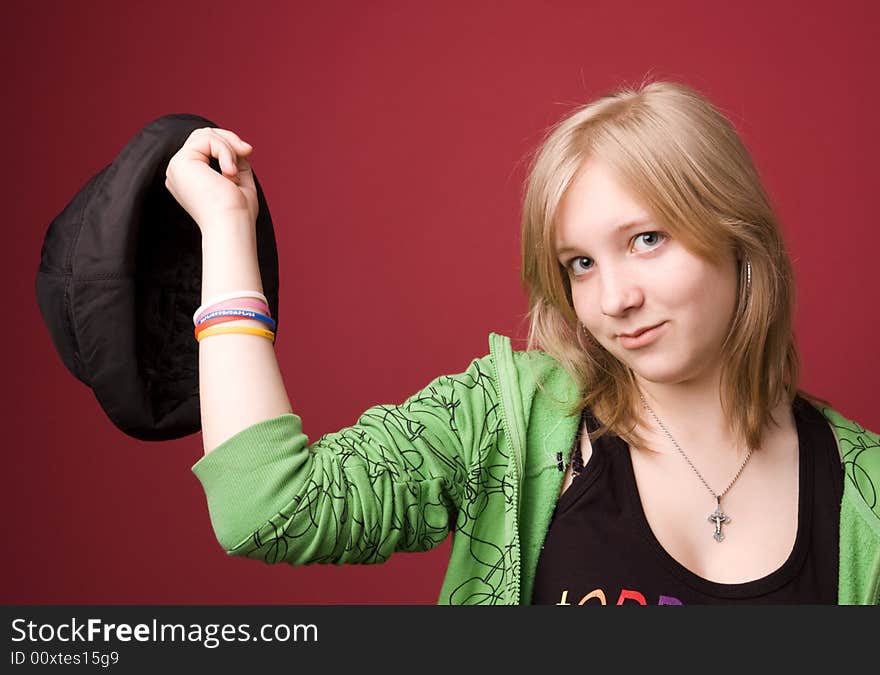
250	330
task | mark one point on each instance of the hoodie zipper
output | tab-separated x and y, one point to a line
514	442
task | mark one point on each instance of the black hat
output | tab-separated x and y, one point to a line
119	279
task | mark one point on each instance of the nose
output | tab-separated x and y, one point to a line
619	291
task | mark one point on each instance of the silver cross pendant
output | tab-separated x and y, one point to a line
719	518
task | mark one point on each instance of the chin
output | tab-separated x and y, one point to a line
659	370
658	377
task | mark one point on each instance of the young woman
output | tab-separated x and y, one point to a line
651	445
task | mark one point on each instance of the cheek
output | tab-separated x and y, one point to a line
586	308
594	322
705	300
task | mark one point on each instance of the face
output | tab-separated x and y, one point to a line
628	274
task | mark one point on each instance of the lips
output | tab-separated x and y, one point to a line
638	332
642	337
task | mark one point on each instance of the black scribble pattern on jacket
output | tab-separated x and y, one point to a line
401	479
860	449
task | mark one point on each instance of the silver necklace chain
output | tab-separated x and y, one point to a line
719	518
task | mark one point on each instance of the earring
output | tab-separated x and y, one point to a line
748	275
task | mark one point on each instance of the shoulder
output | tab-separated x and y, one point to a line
850	431
860	455
541	382
532	368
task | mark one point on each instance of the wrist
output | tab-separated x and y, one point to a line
226	224
229	258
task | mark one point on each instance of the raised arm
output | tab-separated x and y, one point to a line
239	380
395	480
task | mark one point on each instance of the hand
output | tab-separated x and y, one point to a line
206	195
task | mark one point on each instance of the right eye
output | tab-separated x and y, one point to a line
572	265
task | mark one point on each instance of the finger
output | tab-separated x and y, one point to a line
235	141
207	143
225	154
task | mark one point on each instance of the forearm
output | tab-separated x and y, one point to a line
240	382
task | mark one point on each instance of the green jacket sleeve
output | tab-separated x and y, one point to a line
391	482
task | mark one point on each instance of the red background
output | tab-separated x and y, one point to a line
390	139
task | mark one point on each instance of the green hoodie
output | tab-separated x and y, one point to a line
473	453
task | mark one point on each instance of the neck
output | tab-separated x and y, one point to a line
691	412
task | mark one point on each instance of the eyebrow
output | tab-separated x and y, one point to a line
638	222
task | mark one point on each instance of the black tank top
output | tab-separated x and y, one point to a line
600	549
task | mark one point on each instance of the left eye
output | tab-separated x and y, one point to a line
657	238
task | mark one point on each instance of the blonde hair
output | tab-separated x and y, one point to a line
685	161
